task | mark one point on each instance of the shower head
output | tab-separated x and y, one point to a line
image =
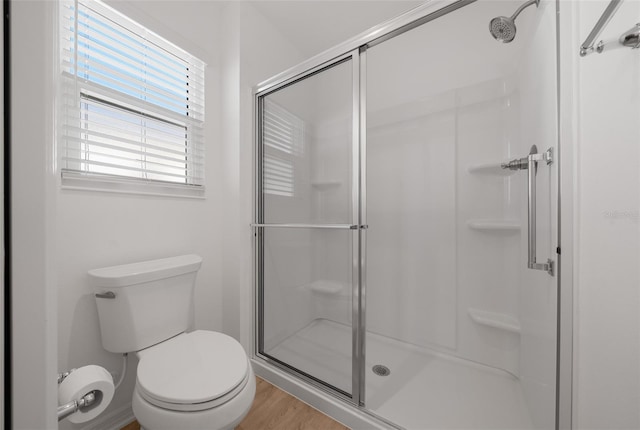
503	28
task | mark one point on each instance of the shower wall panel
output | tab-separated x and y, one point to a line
411	236
431	261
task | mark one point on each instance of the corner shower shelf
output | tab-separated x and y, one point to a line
495	320
324	286
490	169
495	225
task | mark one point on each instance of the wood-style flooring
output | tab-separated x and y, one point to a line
273	409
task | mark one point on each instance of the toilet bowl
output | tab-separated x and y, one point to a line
194	381
199	380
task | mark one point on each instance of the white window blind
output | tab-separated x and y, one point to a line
283	137
132	102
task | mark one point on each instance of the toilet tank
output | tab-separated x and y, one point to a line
142	304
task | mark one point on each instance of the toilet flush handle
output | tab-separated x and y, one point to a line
106	295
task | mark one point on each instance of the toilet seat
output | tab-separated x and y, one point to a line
192	371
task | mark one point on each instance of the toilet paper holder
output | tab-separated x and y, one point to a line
85	402
88	398
74	406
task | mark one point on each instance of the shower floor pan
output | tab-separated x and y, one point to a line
423	389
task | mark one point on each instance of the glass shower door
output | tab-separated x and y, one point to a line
307	225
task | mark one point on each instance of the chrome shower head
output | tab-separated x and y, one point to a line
503	28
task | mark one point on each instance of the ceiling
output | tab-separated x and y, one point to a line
313	26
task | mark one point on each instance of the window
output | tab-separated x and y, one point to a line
283	141
132	102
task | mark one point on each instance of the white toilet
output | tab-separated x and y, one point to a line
200	380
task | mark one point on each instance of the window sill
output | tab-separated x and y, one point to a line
81	182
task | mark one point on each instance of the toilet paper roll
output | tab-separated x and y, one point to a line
82	381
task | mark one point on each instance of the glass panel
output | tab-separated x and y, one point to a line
466	330
307	135
306	282
306	320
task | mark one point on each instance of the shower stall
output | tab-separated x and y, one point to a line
406	219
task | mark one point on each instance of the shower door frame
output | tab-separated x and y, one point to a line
356	226
357	49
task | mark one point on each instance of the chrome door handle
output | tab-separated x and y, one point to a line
530	163
106	295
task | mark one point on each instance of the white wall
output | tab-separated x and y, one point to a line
607	302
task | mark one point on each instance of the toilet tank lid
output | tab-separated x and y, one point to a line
144	271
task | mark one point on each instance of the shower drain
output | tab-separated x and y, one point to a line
381	370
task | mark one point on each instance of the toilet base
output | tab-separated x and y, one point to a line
223	417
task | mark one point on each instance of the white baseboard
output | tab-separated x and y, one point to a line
114	420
